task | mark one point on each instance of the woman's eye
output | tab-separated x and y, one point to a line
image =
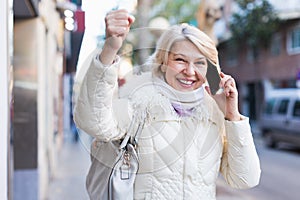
180	59
200	64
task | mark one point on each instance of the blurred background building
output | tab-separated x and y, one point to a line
41	40
260	68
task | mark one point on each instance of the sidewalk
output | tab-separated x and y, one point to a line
72	167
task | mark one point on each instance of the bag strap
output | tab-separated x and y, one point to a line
132	138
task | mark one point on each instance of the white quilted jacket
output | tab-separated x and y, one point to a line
180	157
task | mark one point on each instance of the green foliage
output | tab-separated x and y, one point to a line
254	24
176	11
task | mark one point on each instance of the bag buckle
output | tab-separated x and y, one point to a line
125	167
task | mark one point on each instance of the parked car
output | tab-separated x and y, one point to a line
280	119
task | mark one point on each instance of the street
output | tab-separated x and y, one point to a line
279	179
280	174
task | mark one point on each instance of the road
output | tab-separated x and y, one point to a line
280	178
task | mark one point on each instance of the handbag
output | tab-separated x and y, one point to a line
114	166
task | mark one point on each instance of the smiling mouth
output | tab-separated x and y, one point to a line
186	82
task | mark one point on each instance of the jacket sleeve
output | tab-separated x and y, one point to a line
240	163
93	110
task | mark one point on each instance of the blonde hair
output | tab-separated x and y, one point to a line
178	33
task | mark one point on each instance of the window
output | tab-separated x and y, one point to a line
253	54
231	55
269	106
282	109
276	45
293	43
296	110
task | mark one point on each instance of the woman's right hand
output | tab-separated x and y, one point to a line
118	24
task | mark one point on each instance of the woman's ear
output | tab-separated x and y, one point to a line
163	68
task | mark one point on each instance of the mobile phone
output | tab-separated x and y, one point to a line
213	78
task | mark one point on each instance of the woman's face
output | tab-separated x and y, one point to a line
186	67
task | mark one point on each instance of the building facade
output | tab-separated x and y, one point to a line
33	51
38	68
277	66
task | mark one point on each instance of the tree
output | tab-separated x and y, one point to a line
177	11
254	23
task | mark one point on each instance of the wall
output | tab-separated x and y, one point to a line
28	54
38	63
267	66
6	20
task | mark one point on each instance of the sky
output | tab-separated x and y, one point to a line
285	4
95	11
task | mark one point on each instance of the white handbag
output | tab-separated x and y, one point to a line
114	167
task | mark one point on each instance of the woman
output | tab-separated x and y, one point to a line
189	135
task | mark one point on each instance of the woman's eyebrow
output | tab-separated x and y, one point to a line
177	54
201	57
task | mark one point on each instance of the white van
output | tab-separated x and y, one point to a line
280	119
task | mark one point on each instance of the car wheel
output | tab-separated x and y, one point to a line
269	141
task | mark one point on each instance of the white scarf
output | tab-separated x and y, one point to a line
182	102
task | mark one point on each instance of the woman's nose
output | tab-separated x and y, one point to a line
190	70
